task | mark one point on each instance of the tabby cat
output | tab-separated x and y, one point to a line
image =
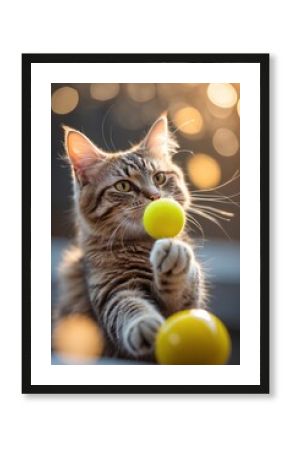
115	272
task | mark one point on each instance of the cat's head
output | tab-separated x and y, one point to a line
113	189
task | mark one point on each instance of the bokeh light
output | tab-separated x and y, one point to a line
141	92
64	100
217	112
166	91
188	120
204	171
78	337
104	91
225	142
223	95
127	116
149	110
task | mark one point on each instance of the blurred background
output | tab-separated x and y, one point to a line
205	119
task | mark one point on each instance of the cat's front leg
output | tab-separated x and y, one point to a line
131	322
177	275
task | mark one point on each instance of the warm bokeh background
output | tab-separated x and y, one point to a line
205	118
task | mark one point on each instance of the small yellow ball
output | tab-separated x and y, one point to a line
163	218
78	337
192	337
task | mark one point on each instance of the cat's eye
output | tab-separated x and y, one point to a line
159	178
123	186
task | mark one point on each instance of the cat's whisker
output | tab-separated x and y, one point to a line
212	214
225	201
135	208
221	212
196	223
215	196
111	139
208	216
222	199
229	198
213	200
183	124
106	115
235	176
183	151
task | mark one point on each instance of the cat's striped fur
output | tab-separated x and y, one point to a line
115	272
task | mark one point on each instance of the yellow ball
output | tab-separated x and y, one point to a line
192	337
78	337
163	218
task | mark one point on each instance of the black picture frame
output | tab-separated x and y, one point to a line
263	61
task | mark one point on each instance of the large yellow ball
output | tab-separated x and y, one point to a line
78	337
192	337
163	218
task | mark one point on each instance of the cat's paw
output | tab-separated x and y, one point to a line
139	336
172	257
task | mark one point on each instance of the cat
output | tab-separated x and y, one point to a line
115	272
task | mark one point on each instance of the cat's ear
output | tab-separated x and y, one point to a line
81	151
157	140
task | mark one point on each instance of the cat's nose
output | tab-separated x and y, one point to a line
154	196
